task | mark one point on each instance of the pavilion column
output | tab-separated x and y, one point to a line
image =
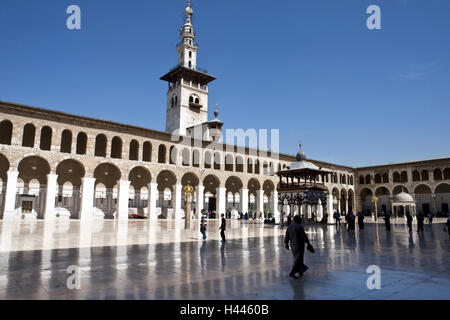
260	202
10	194
275	211
200	198
49	211
244	200
152	199
87	198
221	201
177	202
123	199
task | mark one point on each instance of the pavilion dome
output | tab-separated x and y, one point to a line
302	163
403	197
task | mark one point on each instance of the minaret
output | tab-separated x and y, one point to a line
187	96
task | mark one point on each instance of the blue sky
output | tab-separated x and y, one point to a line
311	68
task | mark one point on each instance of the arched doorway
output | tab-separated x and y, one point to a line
4	167
268	188
253	187
106	177
139	193
384	200
233	187
166	187
190	179
424	201
443	199
32	187
70	173
366	201
211	183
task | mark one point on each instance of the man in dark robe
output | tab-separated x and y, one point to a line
296	236
222	228
361	220
420	222
409	220
387	221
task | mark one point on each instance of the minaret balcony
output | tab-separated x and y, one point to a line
195	105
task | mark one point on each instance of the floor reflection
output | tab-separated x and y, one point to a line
119	261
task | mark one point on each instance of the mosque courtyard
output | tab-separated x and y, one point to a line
139	260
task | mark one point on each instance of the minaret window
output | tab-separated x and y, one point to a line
190	64
190	54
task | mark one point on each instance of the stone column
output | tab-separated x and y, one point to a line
221	201
177	202
330	205
346	205
123	194
244	200
275	211
260	202
152	199
10	195
49	211
199	197
87	198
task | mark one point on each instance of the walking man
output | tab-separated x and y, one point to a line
409	220
296	236
203	224
337	218
420	222
222	228
387	221
361	220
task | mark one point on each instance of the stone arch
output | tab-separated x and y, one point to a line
6	130
382	191
46	138
229	163
162	153
147	152
173	155
386	178
34	168
437	174
396	177
211	183
239	164
398	189
107	174
134	150
166	180
368	179
139	177
416	175
257	167
447	173
186	157
233	184
116	148
351	200
366	196
249	165
442	188
208	160
378	178
100	145
28	135
217	162
196	158
253	186
4	167
268	187
422	189
66	141
424	175
190	179
81	143
70	170
361	180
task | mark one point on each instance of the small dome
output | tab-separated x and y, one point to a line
403	197
301	155
189	12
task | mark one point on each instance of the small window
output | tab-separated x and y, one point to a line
190	54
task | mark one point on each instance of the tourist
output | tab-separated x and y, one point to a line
387	221
289	220
337	218
430	218
296	236
324	219
361	220
409	220
448	226
203	224
222	228
420	222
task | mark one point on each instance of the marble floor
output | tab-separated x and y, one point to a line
162	260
